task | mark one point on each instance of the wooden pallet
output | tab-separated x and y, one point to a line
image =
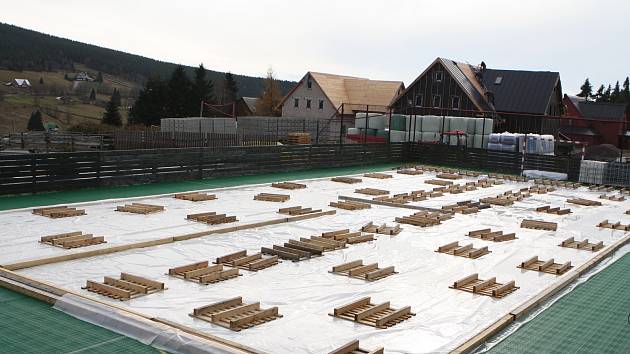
353	348
382	229
467	251
288	185
368	272
541	189
72	240
423	218
371	191
346	180
539	225
582	245
448	176
379	316
465	207
409	171
490	287
298	210
212	218
397	199
438	182
584	202
545	266
601	188
195	197
203	273
501	201
552	182
612	197
299	138
304	248
350	205
127	287
139	208
378	175
242	260
549	210
59	212
615	226
235	315
489	235
270	197
348	237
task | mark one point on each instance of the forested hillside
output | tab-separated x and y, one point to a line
23	49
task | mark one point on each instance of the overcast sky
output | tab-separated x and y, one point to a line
389	40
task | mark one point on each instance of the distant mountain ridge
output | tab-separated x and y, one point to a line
24	49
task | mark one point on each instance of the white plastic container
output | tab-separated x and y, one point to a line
494	138
494	146
377	122
353	131
397	136
430	137
434	124
548	144
508	139
457	123
479	126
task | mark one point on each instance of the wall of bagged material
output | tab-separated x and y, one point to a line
429	128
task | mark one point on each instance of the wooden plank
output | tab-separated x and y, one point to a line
394	316
358	303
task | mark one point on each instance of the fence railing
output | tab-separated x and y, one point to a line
55	141
128	140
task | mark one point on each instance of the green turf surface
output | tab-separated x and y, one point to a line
593	318
85	195
31	326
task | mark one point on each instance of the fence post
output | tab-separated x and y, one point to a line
341	126
317	133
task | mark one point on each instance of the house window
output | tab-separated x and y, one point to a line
439	76
437	101
321	104
308	104
455	102
419	101
296	102
309	84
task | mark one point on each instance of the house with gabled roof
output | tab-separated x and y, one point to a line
321	96
519	99
593	122
19	83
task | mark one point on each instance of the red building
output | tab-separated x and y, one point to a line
594	123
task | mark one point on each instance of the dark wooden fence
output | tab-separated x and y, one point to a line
127	140
63	171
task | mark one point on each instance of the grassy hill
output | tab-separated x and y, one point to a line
33	55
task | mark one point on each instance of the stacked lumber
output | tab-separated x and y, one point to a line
58	212
466	251
553	182
347	236
127	287
584	202
270	197
612	197
545	266
438	182
505	177
368	272
383	229
242	260
195	197
615	226
409	171
298	210
235	315
203	273
539	225
423	218
448	176
354	348
378	175
288	185
139	208
72	240
489	235
346	180
549	210
490	287
350	205
304	248
299	138
582	245
371	191
500	200
376	315
212	218
600	188
403	198
465	207
538	189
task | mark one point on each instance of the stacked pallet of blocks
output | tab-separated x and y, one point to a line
203	273
58	212
467	251
234	314
545	266
127	287
140	208
368	272
376	315
212	218
72	240
195	197
489	287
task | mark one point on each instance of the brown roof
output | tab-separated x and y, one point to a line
354	90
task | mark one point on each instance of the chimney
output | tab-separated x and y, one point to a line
482	66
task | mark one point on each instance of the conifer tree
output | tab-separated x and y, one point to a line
625	93
599	94
92	95
99	77
202	89
179	87
586	90
615	97
230	89
607	94
116	97
35	122
267	104
151	104
112	115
